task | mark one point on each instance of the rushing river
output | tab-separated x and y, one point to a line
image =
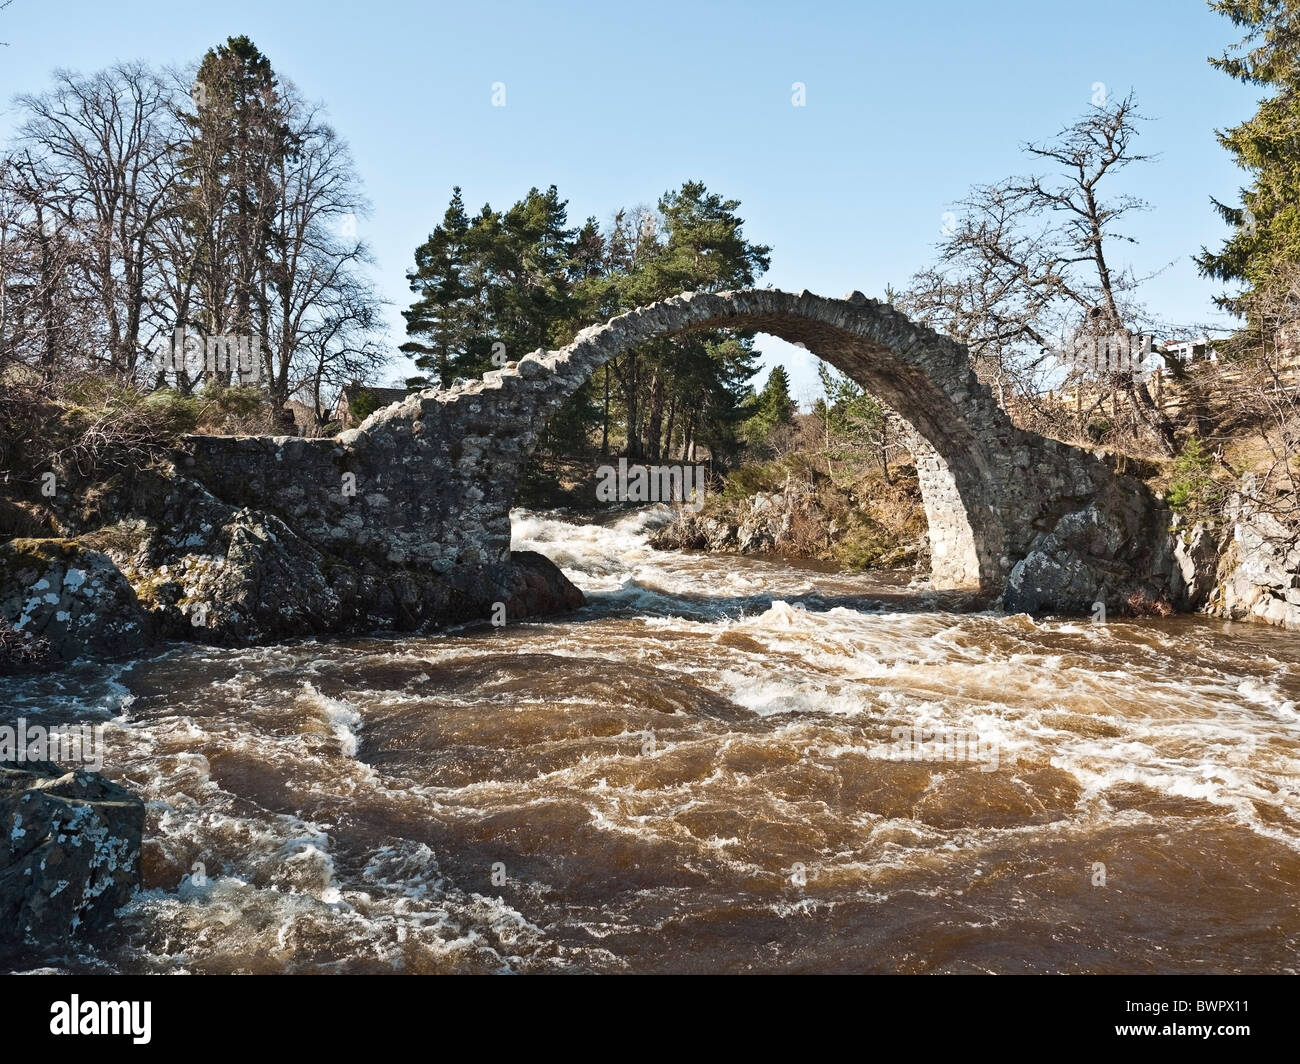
722	764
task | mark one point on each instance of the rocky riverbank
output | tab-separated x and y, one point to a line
225	543
1257	575
871	525
110	567
1245	567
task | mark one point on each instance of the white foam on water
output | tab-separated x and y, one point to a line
343	718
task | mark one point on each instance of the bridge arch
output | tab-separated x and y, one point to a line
425	486
925	378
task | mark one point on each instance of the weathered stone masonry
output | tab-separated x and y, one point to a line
435	475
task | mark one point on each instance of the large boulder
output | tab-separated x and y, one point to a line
270	585
1062	571
1053	576
72	598
1259	573
69	853
1105	553
532	584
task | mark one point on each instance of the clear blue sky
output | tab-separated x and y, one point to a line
907	105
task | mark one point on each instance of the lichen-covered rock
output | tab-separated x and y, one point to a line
1107	552
270	585
696	532
72	598
69	853
1259	572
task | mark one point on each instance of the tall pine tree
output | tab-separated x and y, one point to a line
501	278
237	138
1267	224
438	321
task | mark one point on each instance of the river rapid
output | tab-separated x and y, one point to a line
722	764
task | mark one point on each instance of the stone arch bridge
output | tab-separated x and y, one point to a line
428	483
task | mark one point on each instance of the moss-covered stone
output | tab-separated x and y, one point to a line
72	597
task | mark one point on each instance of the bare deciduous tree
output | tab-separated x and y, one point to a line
99	145
122	220
317	311
1027	274
45	319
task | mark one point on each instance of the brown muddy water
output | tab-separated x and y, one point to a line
721	765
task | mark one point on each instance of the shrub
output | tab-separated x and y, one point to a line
21	652
1193	491
365	404
243	408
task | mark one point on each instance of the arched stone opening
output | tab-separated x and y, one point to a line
924	378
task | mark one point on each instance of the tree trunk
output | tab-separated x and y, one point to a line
628	382
1148	414
604	423
654	423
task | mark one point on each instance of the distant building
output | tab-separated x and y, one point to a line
370	399
1191	351
304	418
